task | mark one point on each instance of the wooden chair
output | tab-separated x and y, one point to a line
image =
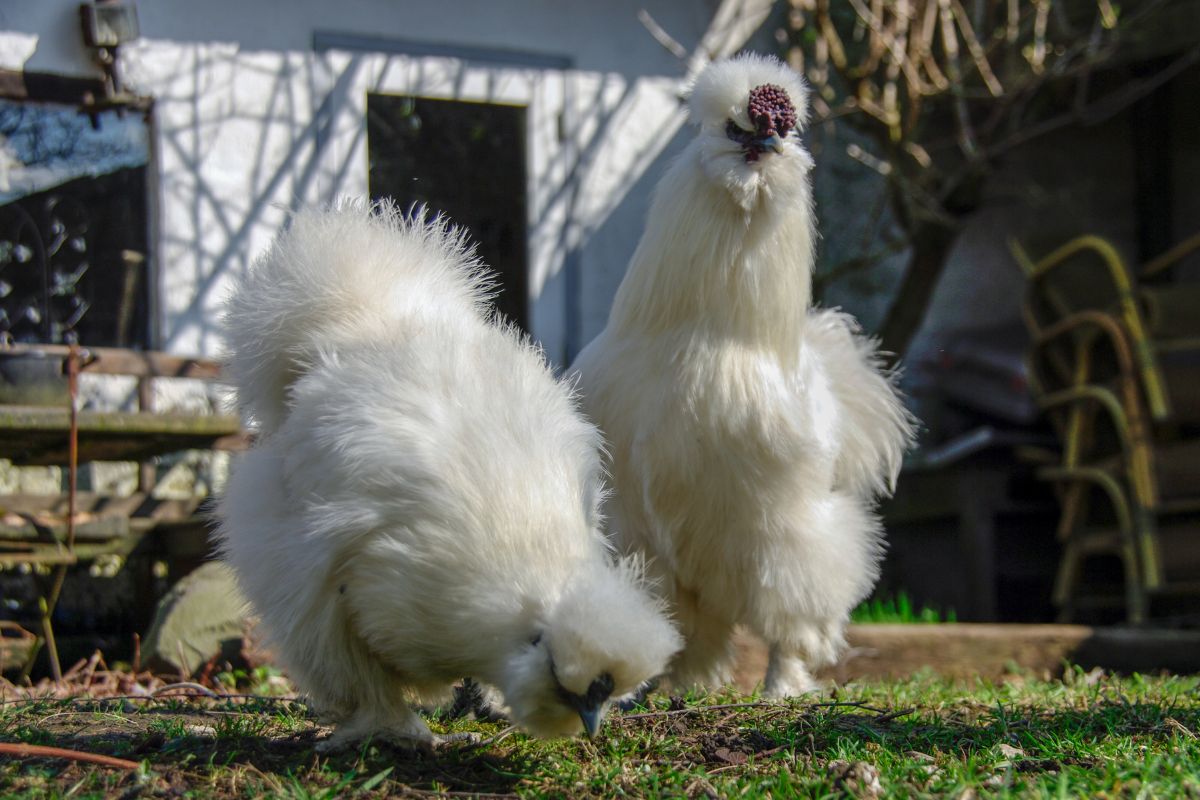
1115	362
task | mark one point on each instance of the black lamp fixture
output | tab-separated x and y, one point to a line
108	24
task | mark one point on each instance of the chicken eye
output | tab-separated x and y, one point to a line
536	639
738	134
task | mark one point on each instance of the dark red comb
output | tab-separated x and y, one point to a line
771	110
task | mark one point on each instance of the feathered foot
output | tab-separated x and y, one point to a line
637	698
787	676
476	700
402	728
707	658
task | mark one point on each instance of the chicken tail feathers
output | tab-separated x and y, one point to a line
337	276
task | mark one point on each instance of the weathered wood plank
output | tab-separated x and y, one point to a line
15	527
42	552
121	361
37	435
967	651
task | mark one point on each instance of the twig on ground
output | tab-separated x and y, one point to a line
891	715
694	710
849	704
193	687
40	751
491	740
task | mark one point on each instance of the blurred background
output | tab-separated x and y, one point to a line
149	150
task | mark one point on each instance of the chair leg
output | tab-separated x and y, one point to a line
47	600
1147	541
1066	580
48	635
31	659
1074	510
1136	601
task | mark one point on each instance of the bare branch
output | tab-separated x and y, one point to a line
843	268
661	36
966	130
1037	58
1014	21
868	160
976	50
887	42
1108	15
919	154
1102	110
928	30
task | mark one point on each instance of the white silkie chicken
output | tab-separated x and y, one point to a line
422	501
749	433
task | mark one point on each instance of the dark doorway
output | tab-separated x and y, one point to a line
467	161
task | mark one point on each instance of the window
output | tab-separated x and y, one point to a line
73	225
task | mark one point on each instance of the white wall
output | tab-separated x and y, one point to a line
250	122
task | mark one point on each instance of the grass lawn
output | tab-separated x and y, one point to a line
1088	735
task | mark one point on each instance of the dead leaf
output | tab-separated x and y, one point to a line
729	756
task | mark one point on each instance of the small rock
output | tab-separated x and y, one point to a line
203	616
701	788
858	778
1008	751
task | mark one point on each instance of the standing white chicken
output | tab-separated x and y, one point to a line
422	501
748	433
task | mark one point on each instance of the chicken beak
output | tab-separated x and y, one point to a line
773	142
591	720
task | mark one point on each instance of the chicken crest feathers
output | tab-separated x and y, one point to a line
630	613
720	91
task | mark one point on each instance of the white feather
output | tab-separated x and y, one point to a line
422	502
748	434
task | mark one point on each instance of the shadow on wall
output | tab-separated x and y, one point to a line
607	252
240	146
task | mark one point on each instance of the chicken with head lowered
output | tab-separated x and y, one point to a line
422	502
749	433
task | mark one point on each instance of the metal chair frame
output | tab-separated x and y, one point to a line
1133	397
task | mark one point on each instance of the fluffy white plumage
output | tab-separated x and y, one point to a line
422	502
749	433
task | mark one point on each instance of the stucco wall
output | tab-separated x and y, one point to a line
250	121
